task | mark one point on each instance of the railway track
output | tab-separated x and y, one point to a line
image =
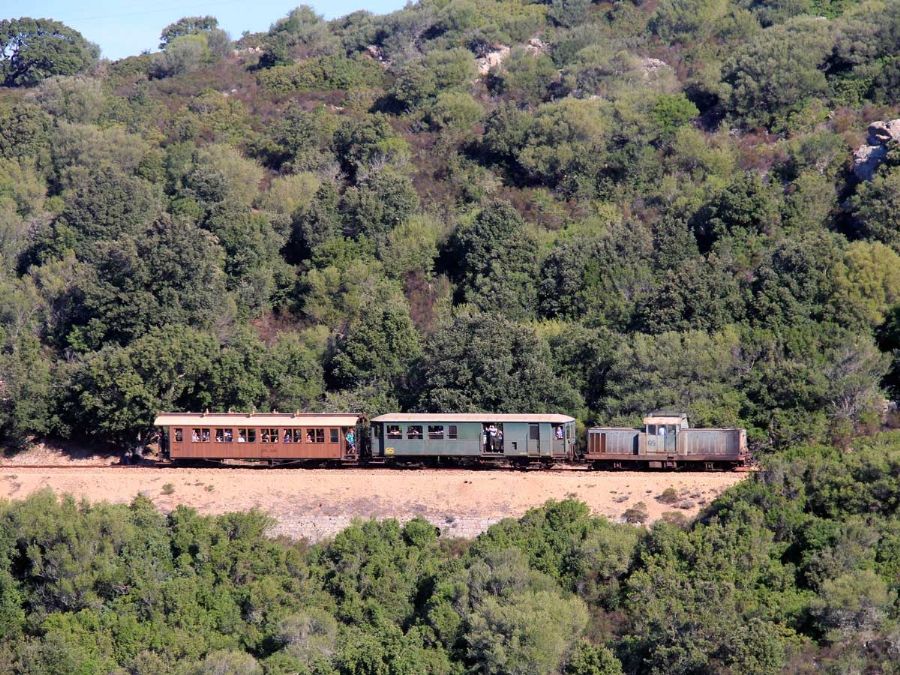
368	467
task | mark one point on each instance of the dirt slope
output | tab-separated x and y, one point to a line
317	503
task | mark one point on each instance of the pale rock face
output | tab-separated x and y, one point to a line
651	66
492	59
866	158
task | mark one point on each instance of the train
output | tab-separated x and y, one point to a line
665	441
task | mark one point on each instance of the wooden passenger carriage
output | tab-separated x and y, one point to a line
261	436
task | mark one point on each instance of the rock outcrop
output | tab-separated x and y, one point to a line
867	158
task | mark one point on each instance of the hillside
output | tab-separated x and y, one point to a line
794	570
593	208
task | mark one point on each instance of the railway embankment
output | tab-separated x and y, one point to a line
318	503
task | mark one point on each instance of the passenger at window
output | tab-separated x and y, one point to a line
195	437
287	436
309	437
559	433
242	437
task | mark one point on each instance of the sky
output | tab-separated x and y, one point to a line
127	27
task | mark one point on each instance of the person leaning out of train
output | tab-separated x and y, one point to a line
351	438
492	436
559	433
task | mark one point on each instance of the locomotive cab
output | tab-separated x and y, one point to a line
662	429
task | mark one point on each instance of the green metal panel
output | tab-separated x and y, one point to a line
515	439
467	443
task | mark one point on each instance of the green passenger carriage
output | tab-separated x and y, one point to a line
473	436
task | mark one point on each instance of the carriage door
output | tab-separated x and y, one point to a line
670	439
534	440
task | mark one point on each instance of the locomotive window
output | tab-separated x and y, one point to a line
451	432
179	435
335	438
414	432
229	435
651	429
436	432
393	431
220	435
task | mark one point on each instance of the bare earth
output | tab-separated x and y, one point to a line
318	503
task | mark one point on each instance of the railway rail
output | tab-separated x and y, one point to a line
301	464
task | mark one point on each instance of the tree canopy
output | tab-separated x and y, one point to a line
31	50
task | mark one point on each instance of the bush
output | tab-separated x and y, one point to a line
636	514
322	73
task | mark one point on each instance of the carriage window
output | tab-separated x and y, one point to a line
179	435
204	435
269	435
651	429
195	435
414	432
288	437
220	435
229	435
242	435
451	432
334	436
393	431
315	435
436	432
298	435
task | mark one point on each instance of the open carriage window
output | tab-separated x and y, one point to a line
452	433
393	431
436	432
414	432
179	435
335	436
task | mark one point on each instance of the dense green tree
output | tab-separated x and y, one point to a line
599	279
170	275
116	392
778	70
525	77
378	347
693	371
24	131
875	208
496	263
32	50
379	201
483	362
189	25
